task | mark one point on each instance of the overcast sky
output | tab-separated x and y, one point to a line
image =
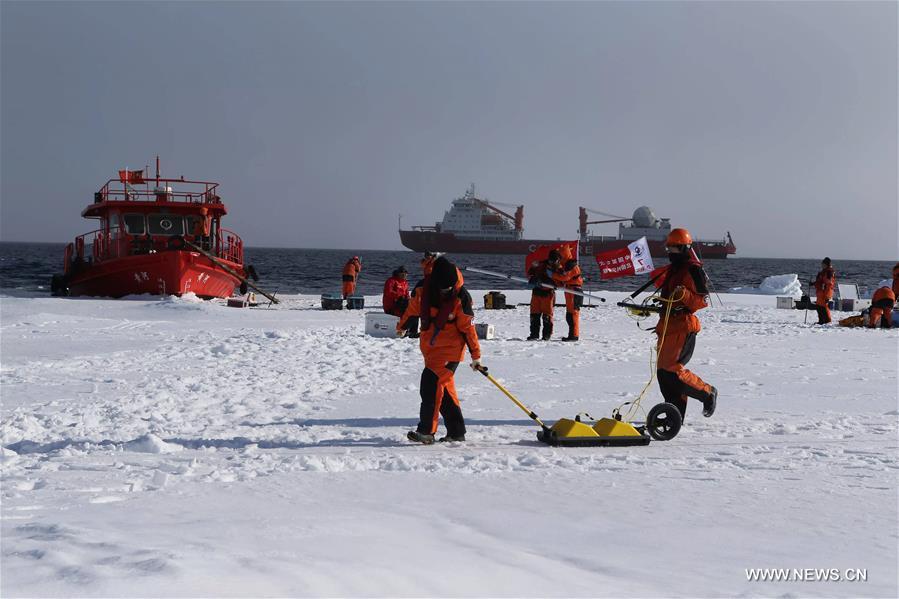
323	122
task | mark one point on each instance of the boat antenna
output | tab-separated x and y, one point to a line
157	170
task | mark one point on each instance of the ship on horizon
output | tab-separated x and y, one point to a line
478	226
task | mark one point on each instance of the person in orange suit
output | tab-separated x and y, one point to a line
882	307
202	228
447	330
569	276
396	292
427	262
543	298
351	271
409	321
824	284
684	283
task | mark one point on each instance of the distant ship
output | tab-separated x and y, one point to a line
644	224
473	226
477	226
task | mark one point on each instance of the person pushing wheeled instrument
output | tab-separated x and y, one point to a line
683	284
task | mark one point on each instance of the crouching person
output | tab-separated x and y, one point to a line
396	293
882	308
444	307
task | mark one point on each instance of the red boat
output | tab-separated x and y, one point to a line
163	240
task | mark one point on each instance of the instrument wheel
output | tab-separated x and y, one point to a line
663	422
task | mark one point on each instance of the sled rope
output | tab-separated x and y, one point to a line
653	359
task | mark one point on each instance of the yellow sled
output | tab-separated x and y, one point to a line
575	433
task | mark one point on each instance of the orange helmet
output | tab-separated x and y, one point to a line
678	237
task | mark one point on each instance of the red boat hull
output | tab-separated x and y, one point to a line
421	241
707	250
174	272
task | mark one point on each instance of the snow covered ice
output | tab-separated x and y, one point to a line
184	448
784	285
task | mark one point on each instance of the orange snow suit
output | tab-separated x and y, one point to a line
447	329
542	300
570	277
408	321
351	272
427	263
685	284
824	284
882	307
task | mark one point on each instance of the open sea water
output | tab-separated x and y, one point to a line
26	268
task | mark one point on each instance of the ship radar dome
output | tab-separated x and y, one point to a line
644	217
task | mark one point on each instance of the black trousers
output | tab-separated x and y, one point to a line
449	409
674	390
536	319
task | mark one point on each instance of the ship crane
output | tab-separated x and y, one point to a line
582	218
518	219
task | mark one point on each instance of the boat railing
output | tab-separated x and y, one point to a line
199	192
230	246
101	245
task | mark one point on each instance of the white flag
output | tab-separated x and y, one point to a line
640	256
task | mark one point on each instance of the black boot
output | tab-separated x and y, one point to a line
418	437
710	403
535	327
569	318
547	327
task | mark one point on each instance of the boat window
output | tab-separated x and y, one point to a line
134	224
165	224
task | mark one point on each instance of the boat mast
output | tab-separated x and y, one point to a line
157	170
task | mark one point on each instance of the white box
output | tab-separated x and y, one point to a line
785	303
378	324
847	291
485	331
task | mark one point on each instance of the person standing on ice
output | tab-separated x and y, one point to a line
396	292
824	284
543	299
569	276
447	329
351	271
683	284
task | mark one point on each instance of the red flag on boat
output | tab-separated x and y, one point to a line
132	177
568	249
627	261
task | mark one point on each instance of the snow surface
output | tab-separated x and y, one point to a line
184	448
783	285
